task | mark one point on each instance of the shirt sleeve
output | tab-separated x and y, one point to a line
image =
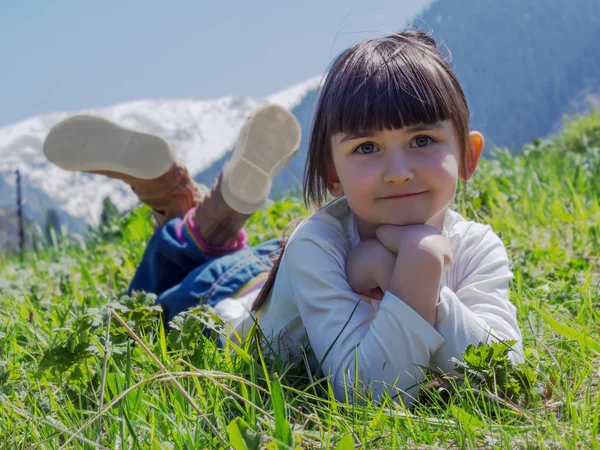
359	349
478	310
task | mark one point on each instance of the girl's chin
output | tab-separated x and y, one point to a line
434	220
368	226
405	221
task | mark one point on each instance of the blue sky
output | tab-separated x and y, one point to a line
70	55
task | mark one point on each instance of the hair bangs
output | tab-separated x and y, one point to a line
387	88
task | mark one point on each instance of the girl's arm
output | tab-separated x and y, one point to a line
477	310
422	256
380	352
369	268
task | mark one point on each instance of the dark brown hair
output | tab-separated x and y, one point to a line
385	83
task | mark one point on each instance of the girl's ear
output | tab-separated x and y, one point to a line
474	149
333	182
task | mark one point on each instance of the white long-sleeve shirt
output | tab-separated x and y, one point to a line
387	341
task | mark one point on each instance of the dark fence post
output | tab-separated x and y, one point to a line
20	214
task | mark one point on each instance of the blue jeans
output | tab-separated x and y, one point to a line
183	276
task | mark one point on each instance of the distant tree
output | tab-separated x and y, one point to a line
109	212
52	230
36	236
520	63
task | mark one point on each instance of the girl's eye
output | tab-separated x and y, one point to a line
422	141
367	148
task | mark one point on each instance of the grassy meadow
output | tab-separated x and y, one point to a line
83	366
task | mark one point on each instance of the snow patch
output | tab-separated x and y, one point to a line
199	131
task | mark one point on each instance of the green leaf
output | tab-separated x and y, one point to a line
568	331
345	443
487	366
242	437
85	273
375	422
466	420
283	431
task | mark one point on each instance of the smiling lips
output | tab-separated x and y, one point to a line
406	195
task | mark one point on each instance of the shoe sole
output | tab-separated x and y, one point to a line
270	139
93	144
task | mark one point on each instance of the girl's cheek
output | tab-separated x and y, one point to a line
363	171
446	166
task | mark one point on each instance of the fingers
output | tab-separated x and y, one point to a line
369	267
358	271
390	236
413	237
383	276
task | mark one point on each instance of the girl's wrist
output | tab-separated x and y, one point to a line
416	281
383	267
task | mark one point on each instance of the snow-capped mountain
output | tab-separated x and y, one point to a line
200	131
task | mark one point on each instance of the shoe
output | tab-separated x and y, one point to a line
144	161
265	145
267	142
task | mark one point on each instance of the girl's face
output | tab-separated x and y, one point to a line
400	177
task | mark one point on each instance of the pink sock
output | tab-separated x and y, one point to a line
187	228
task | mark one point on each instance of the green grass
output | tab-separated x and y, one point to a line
57	389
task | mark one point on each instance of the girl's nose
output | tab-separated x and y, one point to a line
397	169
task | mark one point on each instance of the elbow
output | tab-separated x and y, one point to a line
517	355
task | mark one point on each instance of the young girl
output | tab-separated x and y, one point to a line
382	282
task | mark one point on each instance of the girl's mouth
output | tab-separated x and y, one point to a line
405	195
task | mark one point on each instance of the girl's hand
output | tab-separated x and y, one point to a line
416	239
423	254
369	268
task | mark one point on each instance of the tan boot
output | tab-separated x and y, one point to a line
145	162
171	195
265	145
216	221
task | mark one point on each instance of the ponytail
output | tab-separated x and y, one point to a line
268	286
276	258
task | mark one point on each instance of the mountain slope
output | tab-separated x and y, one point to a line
200	132
523	65
520	63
